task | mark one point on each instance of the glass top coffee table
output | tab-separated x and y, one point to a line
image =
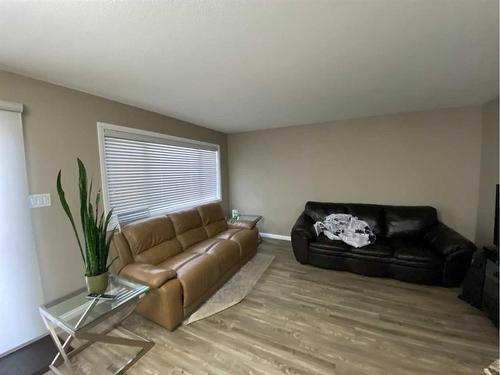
91	320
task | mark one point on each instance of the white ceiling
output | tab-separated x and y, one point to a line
243	65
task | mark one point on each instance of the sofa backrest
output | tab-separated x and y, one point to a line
373	214
213	218
119	253
156	239
319	210
384	220
408	221
188	227
152	240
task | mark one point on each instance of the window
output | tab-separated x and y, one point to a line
152	173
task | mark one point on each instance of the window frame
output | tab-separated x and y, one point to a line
102	127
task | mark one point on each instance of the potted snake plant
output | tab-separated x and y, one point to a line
94	226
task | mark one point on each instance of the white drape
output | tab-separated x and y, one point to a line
20	284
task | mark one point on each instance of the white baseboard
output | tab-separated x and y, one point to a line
276	236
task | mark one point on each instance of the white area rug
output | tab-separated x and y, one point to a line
235	289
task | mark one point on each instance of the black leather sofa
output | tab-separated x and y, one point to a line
412	245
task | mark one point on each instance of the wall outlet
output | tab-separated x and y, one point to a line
40	200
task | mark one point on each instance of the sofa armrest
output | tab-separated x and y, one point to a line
148	274
446	241
454	248
302	233
242	224
455	267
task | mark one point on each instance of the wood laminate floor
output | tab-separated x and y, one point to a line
304	320
32	359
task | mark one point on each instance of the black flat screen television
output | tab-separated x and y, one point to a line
495	230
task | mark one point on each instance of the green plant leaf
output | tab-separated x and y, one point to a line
111	263
82	185
66	209
97	200
95	248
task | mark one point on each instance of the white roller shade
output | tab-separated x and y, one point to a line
158	173
20	283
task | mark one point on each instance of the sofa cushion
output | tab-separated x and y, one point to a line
151	240
323	243
414	252
247	240
227	253
160	252
177	261
319	210
408	221
216	227
202	246
210	213
213	218
373	214
144	234
197	276
188	227
227	234
380	248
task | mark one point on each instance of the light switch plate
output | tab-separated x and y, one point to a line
40	200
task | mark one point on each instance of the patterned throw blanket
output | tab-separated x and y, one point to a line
346	228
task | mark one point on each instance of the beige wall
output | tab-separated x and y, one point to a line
59	126
416	158
489	174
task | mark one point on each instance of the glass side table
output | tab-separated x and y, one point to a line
91	320
245	217
248	217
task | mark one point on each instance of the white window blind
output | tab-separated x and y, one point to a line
147	172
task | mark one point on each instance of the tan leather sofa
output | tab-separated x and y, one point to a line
184	257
